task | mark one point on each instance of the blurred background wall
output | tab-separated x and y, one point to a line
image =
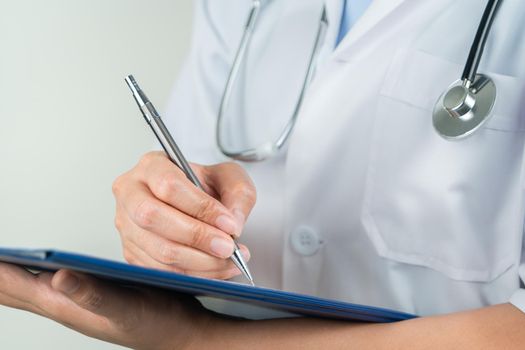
69	126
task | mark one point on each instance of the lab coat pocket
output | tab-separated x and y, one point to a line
450	206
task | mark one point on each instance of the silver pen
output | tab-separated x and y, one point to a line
170	147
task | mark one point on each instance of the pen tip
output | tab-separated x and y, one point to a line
241	265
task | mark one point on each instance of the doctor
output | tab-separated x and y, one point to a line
365	202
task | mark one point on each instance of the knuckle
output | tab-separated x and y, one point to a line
119	222
130	258
127	253
146	214
149	159
169	255
146	159
232	166
199	234
206	209
245	190
117	185
166	185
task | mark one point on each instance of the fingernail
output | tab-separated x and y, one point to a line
69	284
246	255
226	224
222	247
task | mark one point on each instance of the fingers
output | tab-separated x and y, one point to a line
15	303
14	282
167	255
168	183
136	256
132	317
174	224
174	255
119	305
23	290
235	189
153	215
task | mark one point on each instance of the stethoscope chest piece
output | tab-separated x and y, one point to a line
464	107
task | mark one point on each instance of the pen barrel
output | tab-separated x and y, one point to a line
175	155
172	149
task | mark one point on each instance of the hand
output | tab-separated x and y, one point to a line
136	318
166	222
153	319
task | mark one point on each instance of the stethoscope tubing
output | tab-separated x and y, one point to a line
472	82
478	46
268	149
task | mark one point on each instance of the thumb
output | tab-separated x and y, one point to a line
111	302
235	189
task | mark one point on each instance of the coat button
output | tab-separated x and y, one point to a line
305	241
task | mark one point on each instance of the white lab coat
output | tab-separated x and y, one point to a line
368	204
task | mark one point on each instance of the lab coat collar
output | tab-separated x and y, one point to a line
376	12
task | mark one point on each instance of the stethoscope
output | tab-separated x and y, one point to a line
461	110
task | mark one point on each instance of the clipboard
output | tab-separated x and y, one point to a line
281	302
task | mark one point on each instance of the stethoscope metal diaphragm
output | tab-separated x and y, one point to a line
467	104
463	109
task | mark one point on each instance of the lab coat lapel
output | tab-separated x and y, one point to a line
333	14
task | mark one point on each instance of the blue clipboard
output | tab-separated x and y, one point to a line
302	305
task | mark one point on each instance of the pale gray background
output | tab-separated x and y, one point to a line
68	126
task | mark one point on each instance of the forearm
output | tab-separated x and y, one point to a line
497	327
